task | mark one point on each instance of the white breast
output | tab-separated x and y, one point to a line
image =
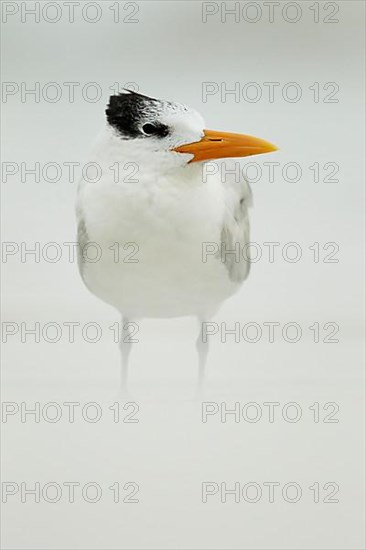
161	227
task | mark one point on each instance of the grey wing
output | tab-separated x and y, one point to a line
235	231
82	239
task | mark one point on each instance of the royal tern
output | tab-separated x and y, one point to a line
151	222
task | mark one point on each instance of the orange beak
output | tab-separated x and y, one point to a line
215	145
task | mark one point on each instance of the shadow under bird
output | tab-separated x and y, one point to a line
151	227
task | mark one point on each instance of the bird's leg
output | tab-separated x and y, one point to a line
202	350
125	345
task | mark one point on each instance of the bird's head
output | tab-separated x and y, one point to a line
171	134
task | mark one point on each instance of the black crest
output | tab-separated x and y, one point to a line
128	112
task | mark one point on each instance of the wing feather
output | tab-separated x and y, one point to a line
235	233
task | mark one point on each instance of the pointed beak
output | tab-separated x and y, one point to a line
215	145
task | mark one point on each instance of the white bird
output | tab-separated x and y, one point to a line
151	213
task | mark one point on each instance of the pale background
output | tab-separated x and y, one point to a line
170	452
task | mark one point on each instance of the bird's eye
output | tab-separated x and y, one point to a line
149	129
157	129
